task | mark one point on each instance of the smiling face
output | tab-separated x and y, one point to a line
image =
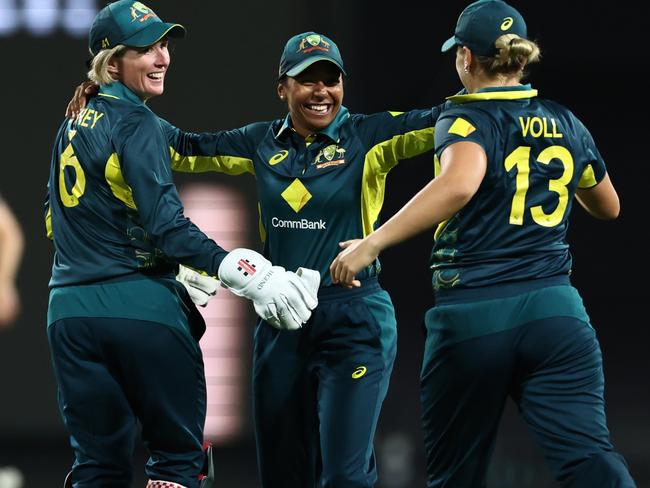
314	97
143	69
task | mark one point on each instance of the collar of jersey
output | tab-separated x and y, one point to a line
331	131
120	91
495	93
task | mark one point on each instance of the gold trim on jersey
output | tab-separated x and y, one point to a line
48	224
115	180
588	177
493	95
260	224
379	161
230	165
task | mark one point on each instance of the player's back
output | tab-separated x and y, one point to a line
94	221
514	228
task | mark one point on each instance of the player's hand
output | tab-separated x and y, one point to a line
82	94
356	255
283	298
201	288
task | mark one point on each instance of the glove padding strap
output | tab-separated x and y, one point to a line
283	298
201	288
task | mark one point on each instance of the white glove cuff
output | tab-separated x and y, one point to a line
244	272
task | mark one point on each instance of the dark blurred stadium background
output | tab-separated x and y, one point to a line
223	76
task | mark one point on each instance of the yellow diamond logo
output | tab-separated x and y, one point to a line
296	195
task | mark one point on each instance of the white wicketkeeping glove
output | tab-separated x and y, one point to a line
201	288
283	298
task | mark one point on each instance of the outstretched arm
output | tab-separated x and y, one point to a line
463	167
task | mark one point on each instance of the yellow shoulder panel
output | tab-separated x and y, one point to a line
461	127
230	165
115	180
379	161
588	178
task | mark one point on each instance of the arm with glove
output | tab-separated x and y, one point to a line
282	298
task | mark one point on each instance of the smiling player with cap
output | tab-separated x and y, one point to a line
321	174
123	331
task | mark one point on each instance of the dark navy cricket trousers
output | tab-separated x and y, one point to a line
114	373
535	346
318	391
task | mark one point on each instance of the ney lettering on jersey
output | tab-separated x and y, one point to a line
539	127
89	117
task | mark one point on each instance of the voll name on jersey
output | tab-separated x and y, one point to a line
539	127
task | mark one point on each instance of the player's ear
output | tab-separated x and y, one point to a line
113	66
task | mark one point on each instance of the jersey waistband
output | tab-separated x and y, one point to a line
500	290
337	292
167	271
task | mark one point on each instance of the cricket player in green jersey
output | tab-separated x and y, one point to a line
321	174
123	331
507	321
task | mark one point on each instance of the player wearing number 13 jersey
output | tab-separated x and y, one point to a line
514	228
505	307
507	321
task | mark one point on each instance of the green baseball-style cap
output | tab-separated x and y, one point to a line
303	50
482	23
129	23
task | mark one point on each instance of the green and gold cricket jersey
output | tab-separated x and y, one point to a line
316	192
112	208
514	228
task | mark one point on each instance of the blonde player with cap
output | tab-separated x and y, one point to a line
507	321
123	331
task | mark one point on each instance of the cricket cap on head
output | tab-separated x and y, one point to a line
482	23
128	23
303	50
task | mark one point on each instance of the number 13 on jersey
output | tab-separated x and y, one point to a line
519	160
